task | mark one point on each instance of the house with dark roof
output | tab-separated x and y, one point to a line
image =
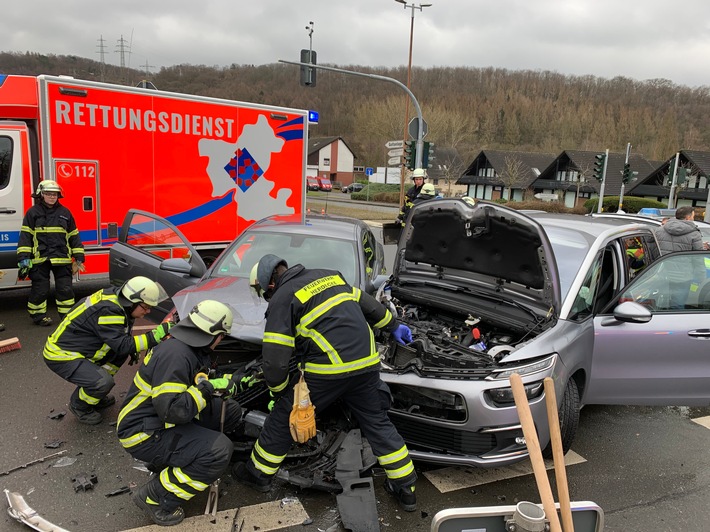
691	186
571	176
495	174
444	169
332	158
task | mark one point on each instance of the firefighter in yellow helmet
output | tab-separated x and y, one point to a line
171	414
49	240
94	340
314	315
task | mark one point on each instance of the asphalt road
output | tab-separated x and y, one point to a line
648	468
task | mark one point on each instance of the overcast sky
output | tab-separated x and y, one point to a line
639	39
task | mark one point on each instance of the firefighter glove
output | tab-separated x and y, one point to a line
78	266
25	263
223	387
402	334
161	331
134	359
302	420
25	266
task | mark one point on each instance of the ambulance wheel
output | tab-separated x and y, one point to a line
208	257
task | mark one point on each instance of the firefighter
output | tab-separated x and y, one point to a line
94	340
170	418
48	241
316	316
418	176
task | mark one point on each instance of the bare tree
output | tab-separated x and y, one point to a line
513	174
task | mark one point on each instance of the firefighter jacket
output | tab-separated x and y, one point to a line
325	322
163	393
409	198
98	328
49	233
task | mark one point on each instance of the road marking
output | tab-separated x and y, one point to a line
276	515
456	478
704	421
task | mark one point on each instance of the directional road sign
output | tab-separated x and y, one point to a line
394	161
394	144
368	170
396	153
543	196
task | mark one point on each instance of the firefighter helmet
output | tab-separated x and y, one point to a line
142	290
206	320
49	185
428	188
261	273
419	172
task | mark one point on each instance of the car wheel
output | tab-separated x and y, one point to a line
569	418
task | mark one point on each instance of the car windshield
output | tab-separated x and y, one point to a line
570	248
313	251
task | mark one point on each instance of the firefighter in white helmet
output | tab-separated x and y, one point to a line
94	340
171	415
418	176
49	241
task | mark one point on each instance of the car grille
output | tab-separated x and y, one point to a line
444	439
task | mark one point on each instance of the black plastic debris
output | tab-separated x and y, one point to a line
57	415
119	491
84	482
56	444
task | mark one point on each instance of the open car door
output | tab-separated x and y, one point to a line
151	246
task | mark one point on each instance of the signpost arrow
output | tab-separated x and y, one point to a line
394	144
396	153
393	161
543	196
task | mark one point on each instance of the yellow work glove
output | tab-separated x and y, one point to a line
77	266
302	420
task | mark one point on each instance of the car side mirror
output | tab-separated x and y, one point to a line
629	312
176	266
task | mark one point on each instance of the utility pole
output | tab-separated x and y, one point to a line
102	58
122	48
147	68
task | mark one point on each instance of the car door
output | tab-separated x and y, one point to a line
664	357
151	246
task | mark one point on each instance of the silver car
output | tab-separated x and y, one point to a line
489	291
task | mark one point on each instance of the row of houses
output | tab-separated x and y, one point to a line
513	175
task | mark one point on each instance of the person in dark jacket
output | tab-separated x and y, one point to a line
418	176
315	315
679	233
94	340
172	418
48	242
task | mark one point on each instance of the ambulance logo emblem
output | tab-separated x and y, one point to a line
243	169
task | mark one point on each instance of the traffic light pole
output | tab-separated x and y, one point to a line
601	189
674	177
623	184
420	132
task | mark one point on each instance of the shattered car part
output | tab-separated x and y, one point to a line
19	510
119	491
357	504
31	463
84	482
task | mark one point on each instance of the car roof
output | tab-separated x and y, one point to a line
325	225
592	226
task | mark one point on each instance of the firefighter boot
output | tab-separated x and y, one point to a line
85	413
243	474
404	494
146	498
105	402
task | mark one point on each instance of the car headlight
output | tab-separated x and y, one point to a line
504	396
542	364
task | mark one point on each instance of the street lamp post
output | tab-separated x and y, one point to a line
413	7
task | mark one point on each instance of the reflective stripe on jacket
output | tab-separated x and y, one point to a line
49	233
163	393
325	322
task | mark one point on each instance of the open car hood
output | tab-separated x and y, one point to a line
485	247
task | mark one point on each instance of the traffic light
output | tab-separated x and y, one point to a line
427	154
308	74
671	171
626	174
410	154
599	166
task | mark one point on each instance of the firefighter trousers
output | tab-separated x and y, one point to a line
368	397
93	382
64	294
187	458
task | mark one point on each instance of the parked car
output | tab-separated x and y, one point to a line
704	227
312	183
353	187
324	184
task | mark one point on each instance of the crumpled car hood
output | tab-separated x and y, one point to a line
493	246
247	307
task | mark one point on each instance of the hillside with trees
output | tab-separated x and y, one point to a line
469	109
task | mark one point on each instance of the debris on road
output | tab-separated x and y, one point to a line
22	512
119	491
57	415
31	463
84	482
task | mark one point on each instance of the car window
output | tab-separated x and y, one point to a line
368	250
602	281
570	249
313	251
152	236
679	282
